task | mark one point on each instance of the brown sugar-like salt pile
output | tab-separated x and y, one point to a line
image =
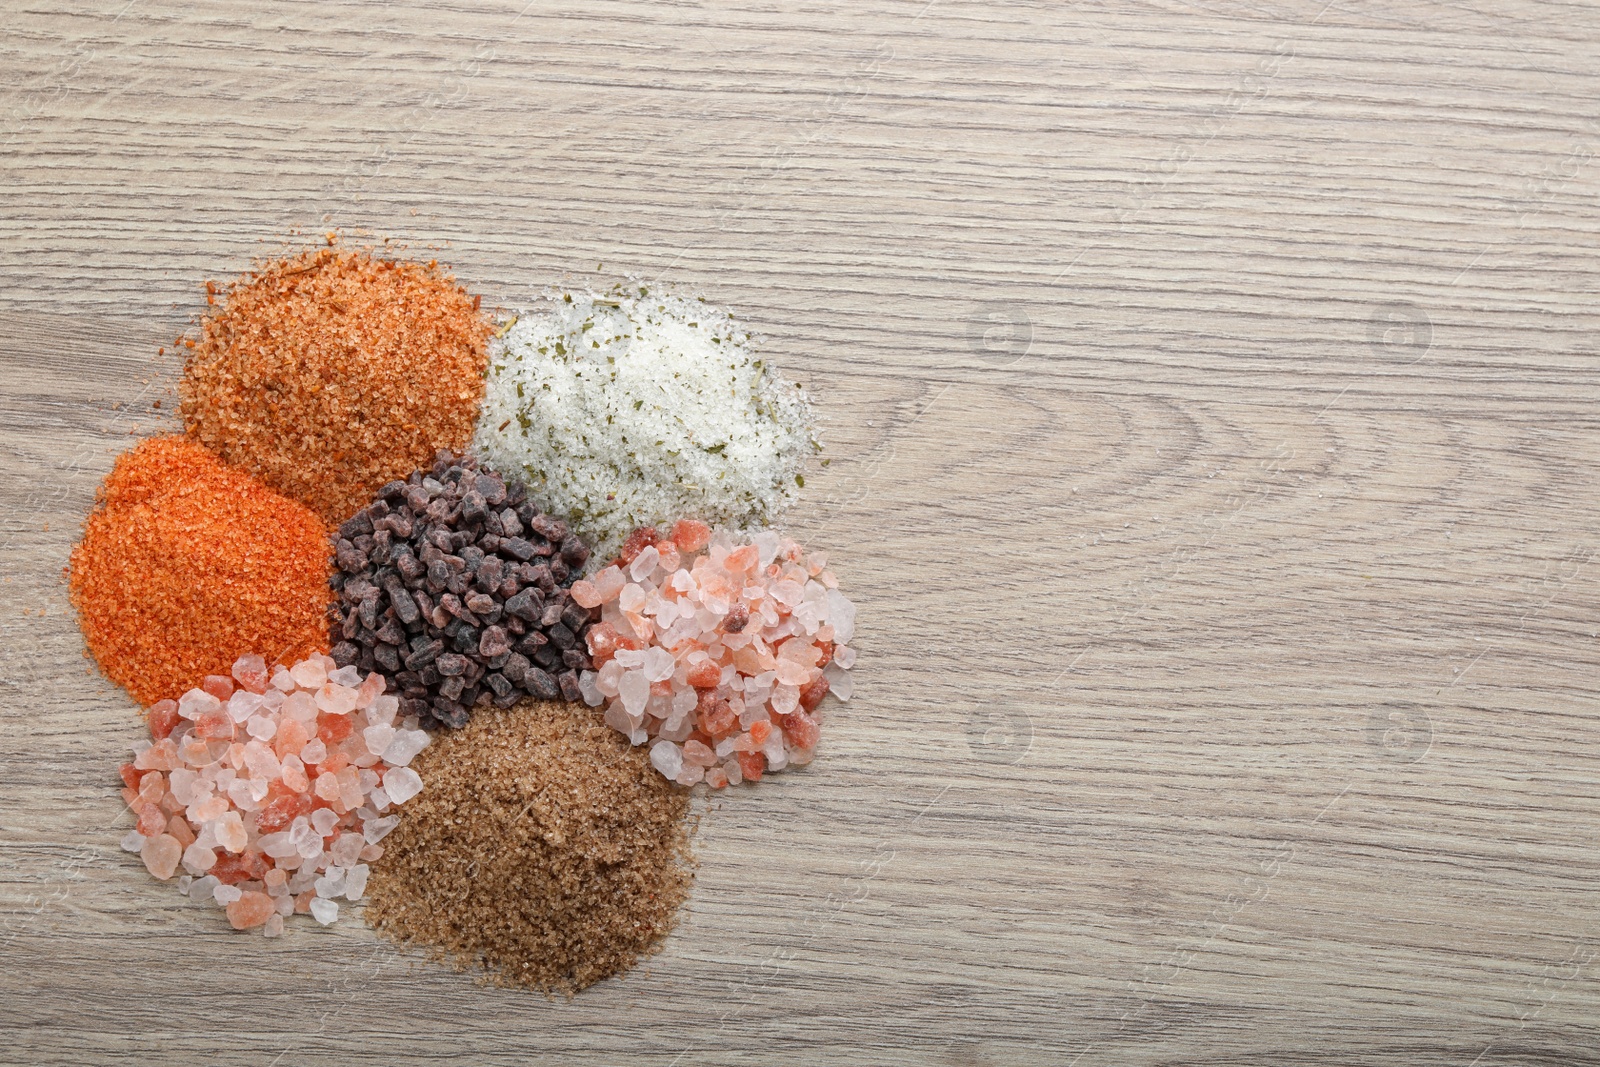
188	564
332	372
542	847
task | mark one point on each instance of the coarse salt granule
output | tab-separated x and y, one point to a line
634	407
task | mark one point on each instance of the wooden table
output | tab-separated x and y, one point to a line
1211	394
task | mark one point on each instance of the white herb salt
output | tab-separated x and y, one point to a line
636	408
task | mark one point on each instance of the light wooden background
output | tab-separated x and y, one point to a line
1212	397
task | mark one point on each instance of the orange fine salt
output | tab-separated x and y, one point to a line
186	564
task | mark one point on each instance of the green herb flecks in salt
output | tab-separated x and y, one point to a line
663	413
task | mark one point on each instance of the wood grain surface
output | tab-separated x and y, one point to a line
1211	392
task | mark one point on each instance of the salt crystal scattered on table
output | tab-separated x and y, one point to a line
267	797
719	650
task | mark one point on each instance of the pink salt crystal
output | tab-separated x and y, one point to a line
371	689
346	849
350	788
218	686
792	672
690	535
161	756
152	786
785	698
208	809
716	777
347	676
801	730
634	691
698	754
258	759
250	671
273	926
230	832
644	564
152	822
309	673
163	712
326	786
608	584
301	706
195	703
275	879
197	859
355	881
160	855
377	738
383	710
667	758
401	784
585	595
294	774
788	592
179	827
243	704
251	909
290	738
197	751
336	699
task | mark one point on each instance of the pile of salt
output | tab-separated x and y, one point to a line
720	651
270	795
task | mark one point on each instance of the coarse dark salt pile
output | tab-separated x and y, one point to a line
457	587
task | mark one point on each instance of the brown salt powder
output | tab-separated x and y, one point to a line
543	848
332	372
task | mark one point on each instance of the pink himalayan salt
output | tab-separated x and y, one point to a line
160	855
235	776
718	651
251	909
